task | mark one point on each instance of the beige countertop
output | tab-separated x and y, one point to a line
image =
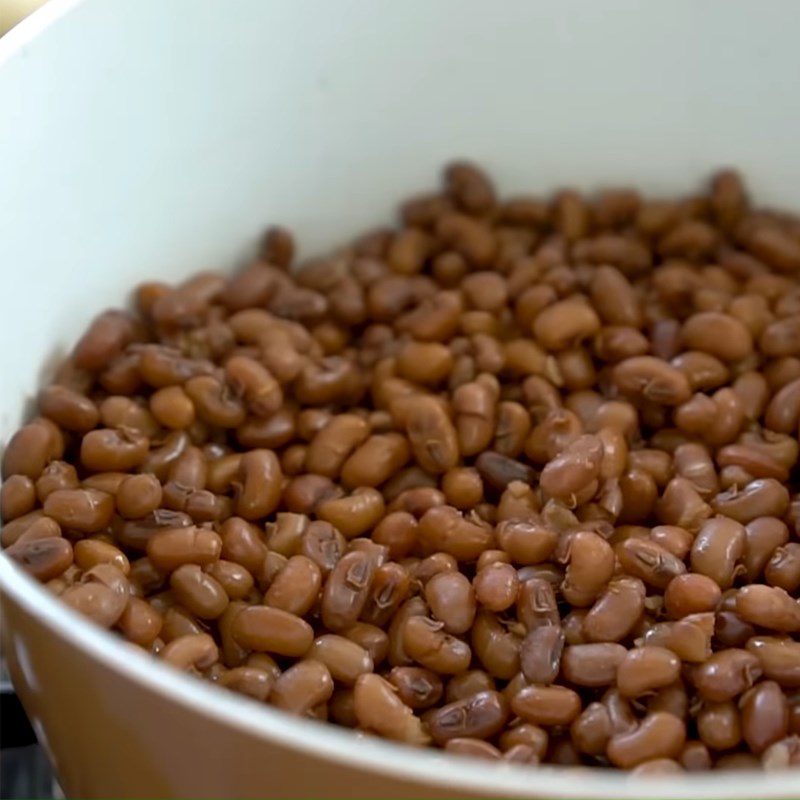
12	11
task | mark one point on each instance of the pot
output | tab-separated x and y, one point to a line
143	139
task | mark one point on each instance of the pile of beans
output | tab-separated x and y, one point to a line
516	479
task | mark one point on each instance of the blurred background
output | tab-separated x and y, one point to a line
12	11
24	770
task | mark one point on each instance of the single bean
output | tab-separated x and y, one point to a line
691	593
592	665
727	674
480	716
769	607
170	548
765	716
779	658
418	688
497	648
546	705
378	708
302	687
425	641
540	654
272	630
659	735
689	637
616	611
645	669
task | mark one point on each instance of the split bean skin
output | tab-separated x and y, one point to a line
516	480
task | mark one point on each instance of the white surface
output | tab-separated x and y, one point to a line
151	138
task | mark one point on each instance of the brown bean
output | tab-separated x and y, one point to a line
379	709
649	562
260	491
727	674
302	687
374	640
17	497
720	335
444	529
765	715
425	641
44	559
496	586
235	579
645	669
590	565
85	510
199	592
540	654
779	659
689	637
783	411
526	542
526	735
760	498
591	730
140	623
344	659
566	323
691	593
58	475
717	548
353	515
272	630
659	735
106	449
346	590
376	460
782	754
169	548
783	568
763	536
546	705
592	665
651	379
480	716
496	647
68	408
242	544
138	496
769	607
569	473
29	451
536	604
418	688
192	652
616	611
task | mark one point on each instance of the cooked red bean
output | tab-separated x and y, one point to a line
379	709
645	669
469	454
480	716
418	688
616	611
765	715
272	630
689	637
540	654
727	674
769	607
691	594
659	735
546	705
779	658
592	665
